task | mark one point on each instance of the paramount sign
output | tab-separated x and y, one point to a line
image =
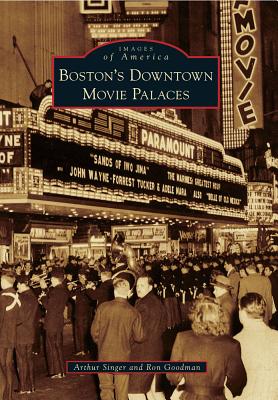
167	144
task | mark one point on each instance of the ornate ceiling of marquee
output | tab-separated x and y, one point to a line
51	207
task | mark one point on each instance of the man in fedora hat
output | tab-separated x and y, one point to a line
234	277
83	315
10	316
222	292
116	326
25	335
54	303
154	322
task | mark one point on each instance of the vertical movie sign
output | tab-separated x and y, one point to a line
247	74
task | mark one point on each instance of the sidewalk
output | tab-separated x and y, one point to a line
73	387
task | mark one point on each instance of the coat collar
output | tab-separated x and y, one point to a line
120	300
146	297
231	271
255	325
8	290
224	296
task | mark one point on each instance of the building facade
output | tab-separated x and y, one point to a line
32	32
56	194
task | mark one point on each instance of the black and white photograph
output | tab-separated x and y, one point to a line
139	235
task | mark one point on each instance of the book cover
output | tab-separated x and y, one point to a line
143	119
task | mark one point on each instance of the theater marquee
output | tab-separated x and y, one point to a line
115	173
129	157
121	157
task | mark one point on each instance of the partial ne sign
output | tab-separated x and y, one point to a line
136	73
5	118
11	149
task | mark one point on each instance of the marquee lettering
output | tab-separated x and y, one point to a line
167	144
5	118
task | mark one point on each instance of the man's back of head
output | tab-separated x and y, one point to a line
251	268
121	287
105	275
252	307
7	279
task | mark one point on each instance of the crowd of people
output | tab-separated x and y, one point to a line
118	315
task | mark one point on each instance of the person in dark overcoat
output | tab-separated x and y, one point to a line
54	303
234	277
83	315
185	289
154	320
10	317
167	284
208	340
116	326
222	291
25	336
105	291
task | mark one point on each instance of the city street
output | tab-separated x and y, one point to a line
81	387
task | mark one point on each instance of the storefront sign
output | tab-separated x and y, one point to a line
247	75
245	235
260	200
142	234
130	178
50	235
191	235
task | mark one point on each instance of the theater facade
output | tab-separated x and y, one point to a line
70	178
